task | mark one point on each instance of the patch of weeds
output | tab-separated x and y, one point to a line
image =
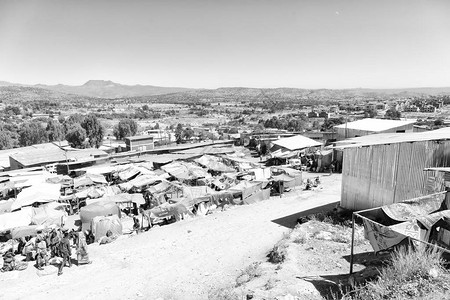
251	271
300	238
270	284
278	253
223	293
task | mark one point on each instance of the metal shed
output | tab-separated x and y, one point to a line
386	169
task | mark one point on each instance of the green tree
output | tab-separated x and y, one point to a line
76	136
187	133
370	113
331	122
31	133
94	130
6	142
126	127
393	114
55	131
179	133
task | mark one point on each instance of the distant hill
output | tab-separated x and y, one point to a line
101	89
292	94
16	94
105	89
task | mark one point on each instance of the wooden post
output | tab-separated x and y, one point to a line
352	246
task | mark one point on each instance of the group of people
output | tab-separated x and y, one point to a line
53	245
312	183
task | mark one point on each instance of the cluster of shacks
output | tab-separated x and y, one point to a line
111	196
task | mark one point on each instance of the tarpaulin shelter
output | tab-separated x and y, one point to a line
415	220
247	188
296	142
47	215
100	208
16	219
185	171
44	192
144	180
213	163
258	196
23	231
129	173
324	159
5	206
137	198
101	225
96	178
82	181
160	187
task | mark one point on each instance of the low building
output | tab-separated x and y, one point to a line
411	108
28	158
139	143
370	126
382	169
428	109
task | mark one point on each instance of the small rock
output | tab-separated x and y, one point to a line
324	235
433	273
139	294
189	231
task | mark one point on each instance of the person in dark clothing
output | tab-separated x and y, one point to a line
65	252
9	263
136	225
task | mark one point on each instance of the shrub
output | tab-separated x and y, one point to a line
278	253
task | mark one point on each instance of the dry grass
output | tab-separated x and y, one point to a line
224	293
299	236
411	274
249	273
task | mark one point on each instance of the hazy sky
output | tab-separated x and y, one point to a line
213	43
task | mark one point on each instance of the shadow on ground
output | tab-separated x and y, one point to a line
291	220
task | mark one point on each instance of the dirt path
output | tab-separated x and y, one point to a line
178	261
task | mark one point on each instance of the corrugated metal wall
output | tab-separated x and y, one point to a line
379	175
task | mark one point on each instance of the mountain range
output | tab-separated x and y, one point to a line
102	89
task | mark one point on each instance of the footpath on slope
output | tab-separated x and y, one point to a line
183	260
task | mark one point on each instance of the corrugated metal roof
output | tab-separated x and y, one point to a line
139	137
375	125
296	142
32	157
391	138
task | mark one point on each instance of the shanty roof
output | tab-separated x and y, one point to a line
374	125
33	157
391	138
296	142
139	137
5	154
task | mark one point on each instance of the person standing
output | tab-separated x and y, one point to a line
64	251
82	254
41	249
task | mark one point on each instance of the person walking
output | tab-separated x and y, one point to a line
82	254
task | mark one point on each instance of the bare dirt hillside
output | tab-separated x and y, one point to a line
183	260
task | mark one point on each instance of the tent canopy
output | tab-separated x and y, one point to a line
44	192
296	142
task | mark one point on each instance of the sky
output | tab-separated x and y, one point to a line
224	43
